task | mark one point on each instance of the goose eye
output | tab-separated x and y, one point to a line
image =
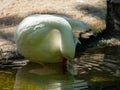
39	26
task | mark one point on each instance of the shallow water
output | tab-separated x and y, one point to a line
96	68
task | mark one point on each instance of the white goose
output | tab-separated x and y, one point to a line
47	38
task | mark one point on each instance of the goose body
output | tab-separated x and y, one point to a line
45	38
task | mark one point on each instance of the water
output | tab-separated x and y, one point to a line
96	69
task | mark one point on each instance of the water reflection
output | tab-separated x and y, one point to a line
99	65
100	59
7	78
39	77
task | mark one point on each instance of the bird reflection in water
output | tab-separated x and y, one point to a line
38	77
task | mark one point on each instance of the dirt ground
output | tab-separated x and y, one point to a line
12	12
